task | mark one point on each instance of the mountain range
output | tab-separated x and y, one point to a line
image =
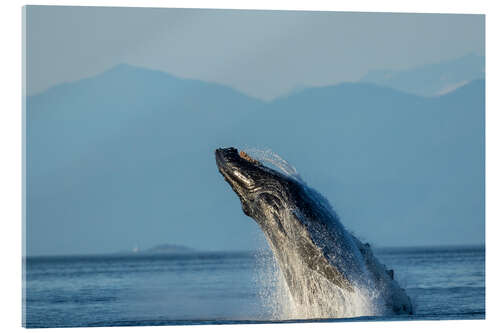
432	79
128	155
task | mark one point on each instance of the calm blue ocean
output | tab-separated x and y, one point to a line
208	288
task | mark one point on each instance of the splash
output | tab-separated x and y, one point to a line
321	298
273	160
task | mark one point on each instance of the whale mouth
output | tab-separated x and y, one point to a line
223	156
238	169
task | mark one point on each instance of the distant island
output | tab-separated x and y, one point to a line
169	248
162	249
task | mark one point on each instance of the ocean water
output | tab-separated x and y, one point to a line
228	288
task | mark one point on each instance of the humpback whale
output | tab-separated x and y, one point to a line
327	270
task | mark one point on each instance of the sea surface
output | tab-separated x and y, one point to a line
227	288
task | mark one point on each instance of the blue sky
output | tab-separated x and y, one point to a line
261	53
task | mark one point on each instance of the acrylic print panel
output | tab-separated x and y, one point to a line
196	166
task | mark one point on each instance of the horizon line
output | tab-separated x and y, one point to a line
200	251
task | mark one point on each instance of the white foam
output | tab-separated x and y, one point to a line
273	160
328	300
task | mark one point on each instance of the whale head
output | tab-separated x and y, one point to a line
261	190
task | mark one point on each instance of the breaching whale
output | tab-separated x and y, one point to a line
327	270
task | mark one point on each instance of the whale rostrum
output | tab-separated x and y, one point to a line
328	271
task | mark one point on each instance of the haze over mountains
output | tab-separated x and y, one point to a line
433	79
127	156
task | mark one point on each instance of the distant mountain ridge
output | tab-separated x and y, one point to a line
128	155
433	79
